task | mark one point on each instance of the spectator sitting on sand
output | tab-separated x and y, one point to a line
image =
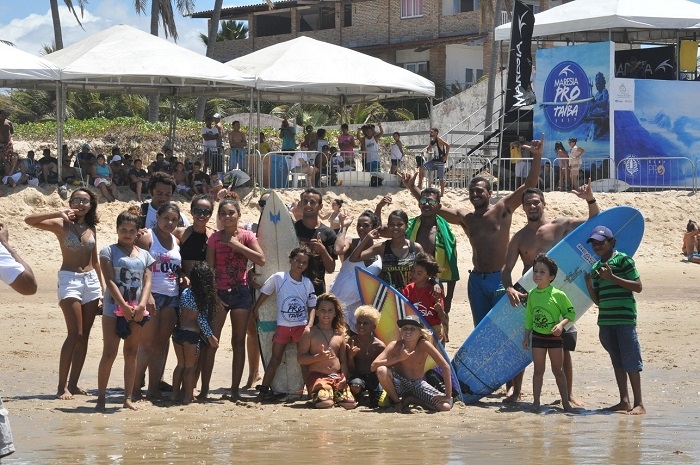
49	167
691	242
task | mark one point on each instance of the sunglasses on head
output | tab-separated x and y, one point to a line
201	211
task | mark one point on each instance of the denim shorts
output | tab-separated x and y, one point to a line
621	342
237	298
166	301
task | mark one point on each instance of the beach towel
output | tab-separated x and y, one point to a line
445	247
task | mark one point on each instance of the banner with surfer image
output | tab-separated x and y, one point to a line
519	89
571	84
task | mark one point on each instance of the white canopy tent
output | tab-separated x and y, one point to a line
623	21
125	59
22	69
345	76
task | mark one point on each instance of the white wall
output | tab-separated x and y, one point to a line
458	58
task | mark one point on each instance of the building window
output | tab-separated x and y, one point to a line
273	24
411	8
419	67
462	6
317	18
472	76
347	15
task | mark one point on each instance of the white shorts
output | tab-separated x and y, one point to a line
182	187
84	287
99	181
522	168
15	178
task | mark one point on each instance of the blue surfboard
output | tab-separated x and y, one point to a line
493	352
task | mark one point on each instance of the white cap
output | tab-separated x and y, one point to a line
217	115
116	158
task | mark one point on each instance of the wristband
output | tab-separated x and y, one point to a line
592	201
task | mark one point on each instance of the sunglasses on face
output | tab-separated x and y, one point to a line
425	201
79	201
201	211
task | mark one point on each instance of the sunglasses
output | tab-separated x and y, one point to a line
201	211
425	201
79	201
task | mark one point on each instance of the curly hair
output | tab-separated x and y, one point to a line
428	262
132	215
203	288
338	323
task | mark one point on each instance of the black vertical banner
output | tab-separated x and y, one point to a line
519	91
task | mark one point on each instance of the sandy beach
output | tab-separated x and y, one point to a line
47	430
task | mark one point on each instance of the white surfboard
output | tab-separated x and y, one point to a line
277	238
609	185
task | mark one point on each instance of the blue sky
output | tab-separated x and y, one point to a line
28	24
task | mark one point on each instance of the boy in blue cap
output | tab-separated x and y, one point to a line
611	284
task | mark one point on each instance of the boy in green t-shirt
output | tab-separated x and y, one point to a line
611	284
547	312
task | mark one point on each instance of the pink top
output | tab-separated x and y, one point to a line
231	267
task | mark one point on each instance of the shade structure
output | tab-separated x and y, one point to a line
283	72
22	69
125	59
634	21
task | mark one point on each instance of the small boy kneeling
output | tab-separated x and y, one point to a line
400	369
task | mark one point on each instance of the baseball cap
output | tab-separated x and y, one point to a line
86	146
410	320
217	115
116	158
601	233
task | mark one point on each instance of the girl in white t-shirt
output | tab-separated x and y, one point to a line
396	153
296	302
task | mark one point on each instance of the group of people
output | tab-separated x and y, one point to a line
167	279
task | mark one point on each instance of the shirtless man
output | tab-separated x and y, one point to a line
539	236
401	365
6	131
238	143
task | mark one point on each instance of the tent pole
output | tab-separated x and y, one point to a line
59	128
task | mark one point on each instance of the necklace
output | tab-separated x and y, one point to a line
326	337
366	348
125	251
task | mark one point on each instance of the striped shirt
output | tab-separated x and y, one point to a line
616	304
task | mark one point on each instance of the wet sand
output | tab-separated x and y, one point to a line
52	431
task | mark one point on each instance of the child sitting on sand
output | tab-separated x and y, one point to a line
611	283
547	312
322	351
400	369
362	349
295	310
197	306
423	293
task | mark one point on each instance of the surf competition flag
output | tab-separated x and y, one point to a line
519	92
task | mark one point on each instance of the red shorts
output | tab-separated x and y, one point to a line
287	334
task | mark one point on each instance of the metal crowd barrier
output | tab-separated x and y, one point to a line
658	173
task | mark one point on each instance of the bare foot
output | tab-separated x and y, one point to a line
638	410
512	397
252	381
65	395
130	405
576	402
187	400
399	406
100	406
137	396
535	408
76	391
203	396
567	407
621	407
154	396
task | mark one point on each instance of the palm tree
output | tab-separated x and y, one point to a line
211	38
230	30
162	10
57	34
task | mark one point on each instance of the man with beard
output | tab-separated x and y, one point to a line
539	235
318	237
